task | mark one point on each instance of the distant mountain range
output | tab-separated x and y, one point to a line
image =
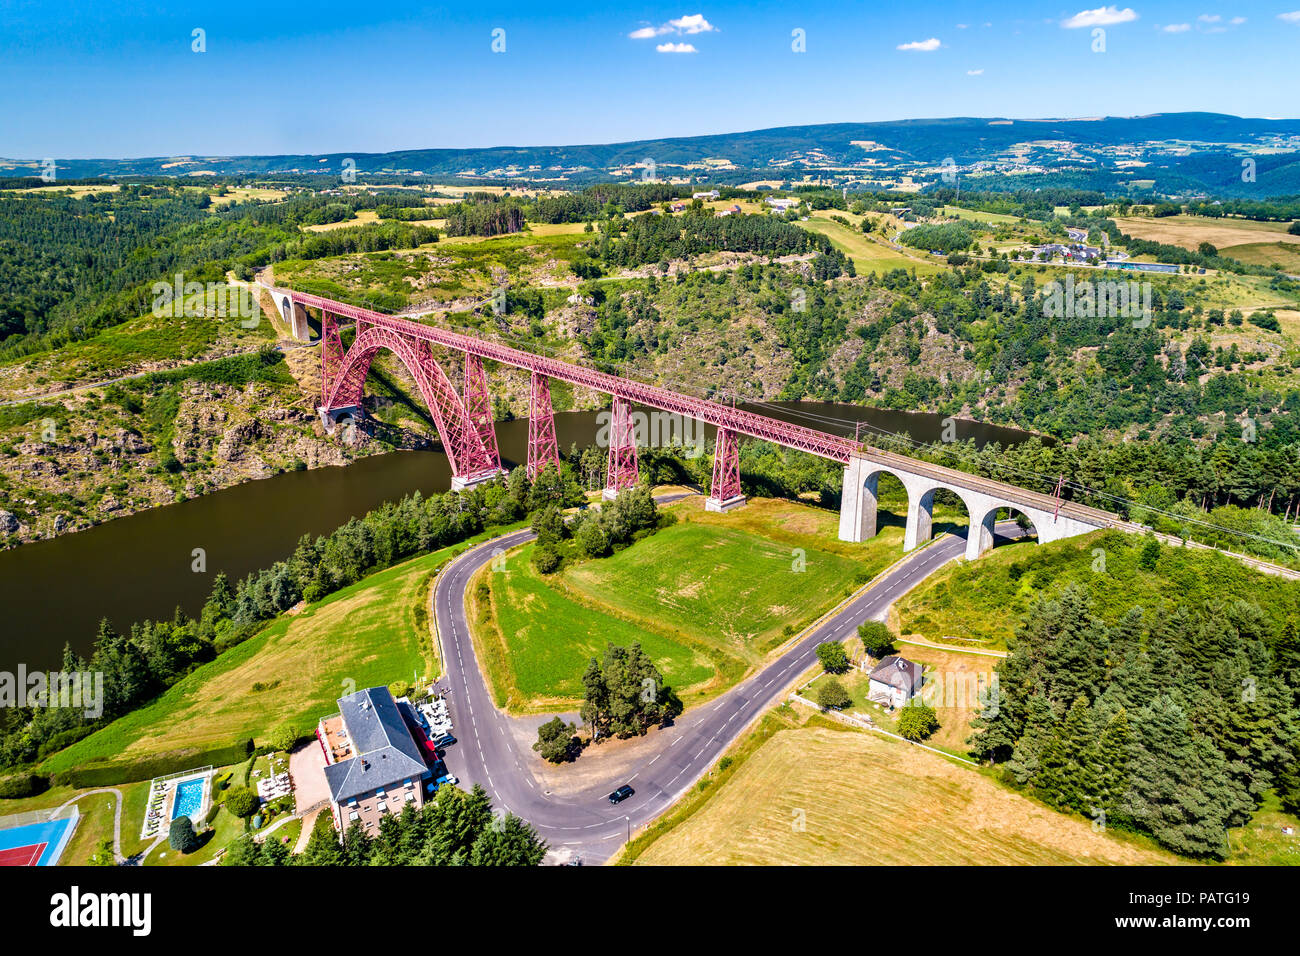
1172	154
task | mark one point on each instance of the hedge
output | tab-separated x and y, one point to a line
108	774
23	785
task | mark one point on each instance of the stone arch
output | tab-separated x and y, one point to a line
980	537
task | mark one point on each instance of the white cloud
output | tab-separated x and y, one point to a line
1177	28
1292	17
1101	17
676	48
695	23
1237	21
979	72
1209	18
924	46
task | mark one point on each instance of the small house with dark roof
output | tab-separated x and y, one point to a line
894	681
374	765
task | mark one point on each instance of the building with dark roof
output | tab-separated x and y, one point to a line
374	764
894	681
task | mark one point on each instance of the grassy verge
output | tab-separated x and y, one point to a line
290	673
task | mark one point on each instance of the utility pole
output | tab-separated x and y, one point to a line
1060	481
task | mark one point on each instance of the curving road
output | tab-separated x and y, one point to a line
584	824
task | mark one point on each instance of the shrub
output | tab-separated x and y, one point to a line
241	801
833	657
286	736
546	559
917	722
181	837
832	695
103	855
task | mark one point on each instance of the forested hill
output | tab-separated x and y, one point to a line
1183	152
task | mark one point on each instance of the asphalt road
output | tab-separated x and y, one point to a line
585	824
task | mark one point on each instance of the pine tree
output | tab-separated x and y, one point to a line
356	845
1110	779
323	847
1177	791
595	699
507	842
1063	769
1040	727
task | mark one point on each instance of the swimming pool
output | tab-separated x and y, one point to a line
189	797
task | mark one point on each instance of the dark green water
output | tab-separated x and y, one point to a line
139	566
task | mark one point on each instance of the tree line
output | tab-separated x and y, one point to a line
455	828
152	655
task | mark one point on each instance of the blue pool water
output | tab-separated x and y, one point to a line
189	797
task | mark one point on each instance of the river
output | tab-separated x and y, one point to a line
140	566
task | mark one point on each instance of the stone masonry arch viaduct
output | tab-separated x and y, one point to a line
465	427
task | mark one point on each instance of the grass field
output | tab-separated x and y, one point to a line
709	598
974	215
552	636
362	218
96	820
817	796
372	633
867	254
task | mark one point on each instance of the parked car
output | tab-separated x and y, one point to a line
444	740
621	794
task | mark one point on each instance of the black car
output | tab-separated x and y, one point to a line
621	794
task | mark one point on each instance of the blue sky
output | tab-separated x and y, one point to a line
95	79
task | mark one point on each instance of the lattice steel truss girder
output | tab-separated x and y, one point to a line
622	470
542	446
726	467
478	405
460	439
833	447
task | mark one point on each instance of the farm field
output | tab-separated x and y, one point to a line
709	598
372	633
1191	231
1283	255
976	215
817	796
